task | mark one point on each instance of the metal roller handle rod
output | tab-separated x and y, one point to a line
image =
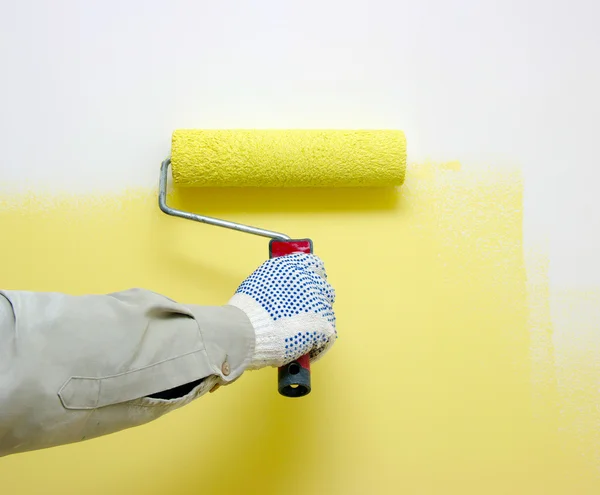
162	203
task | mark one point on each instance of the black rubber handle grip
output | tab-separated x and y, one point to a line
293	378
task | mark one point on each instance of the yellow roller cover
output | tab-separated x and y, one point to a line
288	158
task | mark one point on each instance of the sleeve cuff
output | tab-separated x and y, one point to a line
228	338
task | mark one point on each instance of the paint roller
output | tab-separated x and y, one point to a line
282	158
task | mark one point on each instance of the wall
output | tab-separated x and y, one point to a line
467	300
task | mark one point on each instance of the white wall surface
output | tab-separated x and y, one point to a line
91	91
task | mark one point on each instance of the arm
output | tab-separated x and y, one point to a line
77	367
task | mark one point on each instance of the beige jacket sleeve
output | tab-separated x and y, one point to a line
77	367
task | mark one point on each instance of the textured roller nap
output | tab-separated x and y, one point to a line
288	158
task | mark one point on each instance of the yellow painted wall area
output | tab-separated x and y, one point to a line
428	390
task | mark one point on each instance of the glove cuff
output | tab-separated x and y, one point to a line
267	348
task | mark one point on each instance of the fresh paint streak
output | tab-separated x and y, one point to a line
432	388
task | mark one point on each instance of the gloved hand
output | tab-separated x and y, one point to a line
290	306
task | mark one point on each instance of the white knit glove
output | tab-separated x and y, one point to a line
290	306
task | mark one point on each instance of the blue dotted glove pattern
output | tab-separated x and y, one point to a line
293	285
